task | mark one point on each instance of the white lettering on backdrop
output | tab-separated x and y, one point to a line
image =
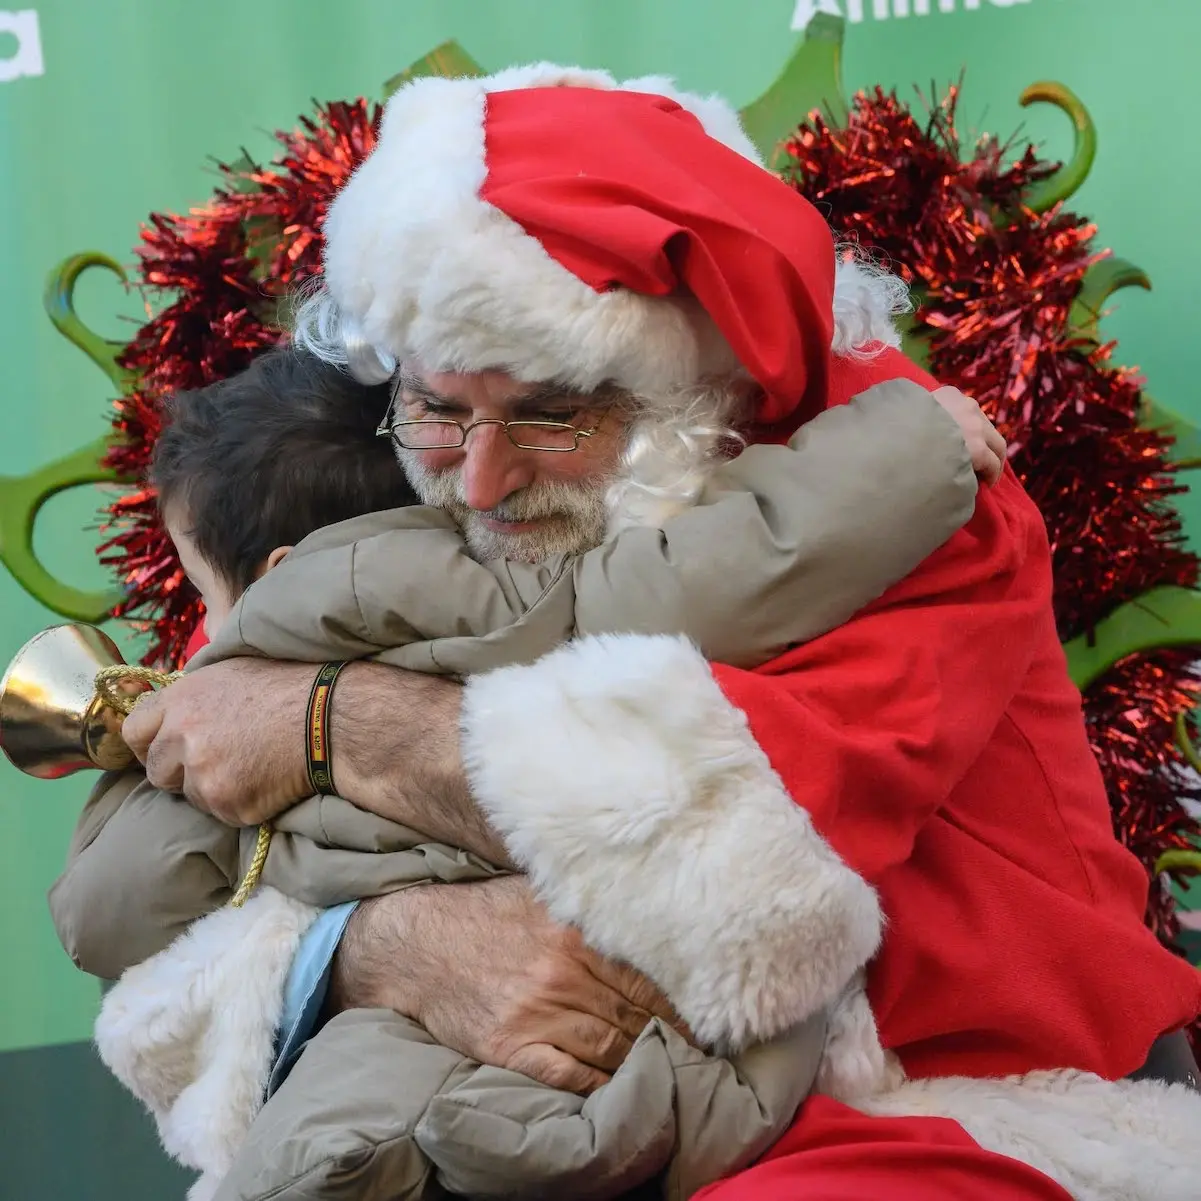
857	11
27	58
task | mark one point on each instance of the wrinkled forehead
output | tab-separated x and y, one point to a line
497	391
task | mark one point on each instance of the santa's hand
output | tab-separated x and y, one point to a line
985	444
228	737
484	970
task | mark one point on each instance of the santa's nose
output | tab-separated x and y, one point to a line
493	468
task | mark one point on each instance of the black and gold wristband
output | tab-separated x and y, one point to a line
321	776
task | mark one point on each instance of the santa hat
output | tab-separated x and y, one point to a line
554	224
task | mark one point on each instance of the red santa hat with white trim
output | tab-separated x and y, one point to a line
554	224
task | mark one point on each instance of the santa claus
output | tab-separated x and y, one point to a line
543	237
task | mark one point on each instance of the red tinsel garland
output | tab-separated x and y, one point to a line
996	284
224	270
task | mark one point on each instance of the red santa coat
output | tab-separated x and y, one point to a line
935	741
939	746
693	819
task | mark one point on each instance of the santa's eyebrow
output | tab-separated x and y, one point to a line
413	385
550	394
544	394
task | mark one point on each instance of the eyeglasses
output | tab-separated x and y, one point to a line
441	433
438	433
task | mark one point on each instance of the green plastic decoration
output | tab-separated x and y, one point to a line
449	61
1163	617
1185	743
22	497
1171	861
811	79
1067	180
58	299
1186	450
1100	282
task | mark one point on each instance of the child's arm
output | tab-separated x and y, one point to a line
465	1129
391	582
142	865
796	539
792	542
307	610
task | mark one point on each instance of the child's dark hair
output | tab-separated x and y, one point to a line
272	454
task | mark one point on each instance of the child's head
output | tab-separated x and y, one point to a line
247	467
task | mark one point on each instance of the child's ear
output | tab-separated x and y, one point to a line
275	558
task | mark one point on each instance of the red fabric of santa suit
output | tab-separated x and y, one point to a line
936	739
938	743
197	640
833	1153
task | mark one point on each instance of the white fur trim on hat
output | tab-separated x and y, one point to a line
636	798
418	265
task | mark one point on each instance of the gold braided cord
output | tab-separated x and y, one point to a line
108	680
255	870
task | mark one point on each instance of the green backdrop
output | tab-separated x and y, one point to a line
112	108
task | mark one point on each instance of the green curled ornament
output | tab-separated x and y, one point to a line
22	497
1067	180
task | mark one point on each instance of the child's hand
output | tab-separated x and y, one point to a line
984	443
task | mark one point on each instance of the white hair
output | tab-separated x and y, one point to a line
673	442
868	298
320	327
677	437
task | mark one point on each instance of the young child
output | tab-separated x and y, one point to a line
247	470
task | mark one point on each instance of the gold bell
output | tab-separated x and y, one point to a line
52	720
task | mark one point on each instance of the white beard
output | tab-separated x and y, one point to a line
571	517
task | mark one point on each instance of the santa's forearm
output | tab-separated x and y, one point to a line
394	737
626	785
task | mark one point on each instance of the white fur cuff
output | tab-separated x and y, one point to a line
191	1032
634	795
1102	1140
